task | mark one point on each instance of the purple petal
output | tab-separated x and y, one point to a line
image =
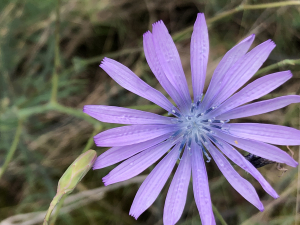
169	59
237	182
133	134
154	183
258	148
260	107
117	154
243	70
273	134
227	61
157	70
177	193
127	79
200	186
137	164
113	114
254	90
199	55
240	160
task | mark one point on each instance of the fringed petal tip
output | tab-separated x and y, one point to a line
147	33
271	43
160	22
106	180
199	17
102	62
133	215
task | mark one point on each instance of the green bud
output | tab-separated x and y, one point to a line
76	171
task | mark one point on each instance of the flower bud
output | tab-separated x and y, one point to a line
76	172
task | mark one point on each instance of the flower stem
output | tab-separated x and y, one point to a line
53	203
90	142
59	205
12	148
183	34
279	64
218	215
57	65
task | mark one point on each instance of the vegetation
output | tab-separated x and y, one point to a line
49	57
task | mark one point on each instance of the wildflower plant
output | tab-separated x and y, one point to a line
198	130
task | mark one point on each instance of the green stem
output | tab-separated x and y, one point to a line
59	205
97	59
24	113
12	148
90	142
75	112
183	34
57	65
53	203
279	64
218	215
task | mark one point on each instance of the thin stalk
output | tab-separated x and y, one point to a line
218	215
30	111
90	142
57	65
57	198
282	63
75	112
59	205
183	34
12	148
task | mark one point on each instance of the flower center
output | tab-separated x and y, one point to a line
196	125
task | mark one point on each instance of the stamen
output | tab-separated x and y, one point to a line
224	128
175	134
175	112
181	147
196	138
176	120
200	114
207	129
207	156
203	121
193	107
213	139
209	110
203	150
218	121
199	100
188	117
203	139
189	144
215	126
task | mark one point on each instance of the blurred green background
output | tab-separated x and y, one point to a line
49	71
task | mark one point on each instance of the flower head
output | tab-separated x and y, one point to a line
199	130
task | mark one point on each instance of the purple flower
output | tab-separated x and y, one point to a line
199	129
